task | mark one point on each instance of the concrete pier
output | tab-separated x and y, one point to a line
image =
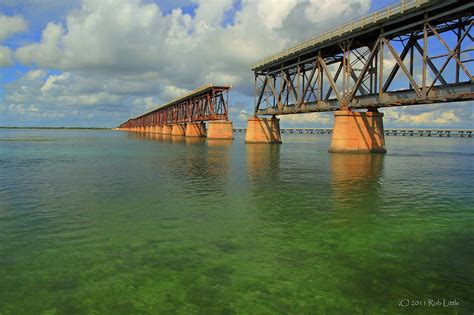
196	129
358	132
178	130
220	130
158	129
263	130
167	129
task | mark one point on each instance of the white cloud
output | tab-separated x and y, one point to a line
243	115
320	11
47	53
320	119
430	115
10	25
272	13
6	56
123	57
35	74
22	109
129	36
211	12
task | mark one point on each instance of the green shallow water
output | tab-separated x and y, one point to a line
102	222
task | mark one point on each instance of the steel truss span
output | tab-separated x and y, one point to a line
419	56
206	103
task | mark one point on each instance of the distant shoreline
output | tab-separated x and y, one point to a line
57	128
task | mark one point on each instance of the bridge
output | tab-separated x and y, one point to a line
415	52
186	115
388	132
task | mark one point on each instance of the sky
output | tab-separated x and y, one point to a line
96	63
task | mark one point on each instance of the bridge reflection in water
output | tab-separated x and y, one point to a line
204	159
355	179
263	163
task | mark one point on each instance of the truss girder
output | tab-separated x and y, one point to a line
428	59
212	104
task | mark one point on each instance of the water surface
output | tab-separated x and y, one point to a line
115	223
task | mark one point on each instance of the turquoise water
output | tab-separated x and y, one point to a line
104	222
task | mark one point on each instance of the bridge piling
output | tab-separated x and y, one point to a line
358	132
196	129
178	130
158	129
167	129
263	130
220	130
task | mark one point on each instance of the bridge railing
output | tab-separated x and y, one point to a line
469	133
365	21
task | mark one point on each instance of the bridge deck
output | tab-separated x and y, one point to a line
208	102
388	58
203	90
381	18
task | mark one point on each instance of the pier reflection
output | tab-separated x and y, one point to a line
218	156
355	179
177	139
263	162
145	136
194	140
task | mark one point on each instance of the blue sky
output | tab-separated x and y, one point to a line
99	62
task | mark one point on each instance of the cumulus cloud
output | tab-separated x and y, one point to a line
47	52
320	11
132	36
211	12
311	119
118	58
459	114
10	25
272	13
119	53
6	56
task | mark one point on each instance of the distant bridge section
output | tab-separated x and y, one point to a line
185	116
206	103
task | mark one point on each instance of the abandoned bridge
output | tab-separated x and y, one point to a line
186	115
415	52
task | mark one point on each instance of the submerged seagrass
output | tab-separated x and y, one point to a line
114	222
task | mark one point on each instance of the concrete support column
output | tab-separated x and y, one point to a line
220	130
358	132
167	129
196	130
158	129
178	130
263	130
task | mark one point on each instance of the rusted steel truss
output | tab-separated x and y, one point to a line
418	61
207	103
